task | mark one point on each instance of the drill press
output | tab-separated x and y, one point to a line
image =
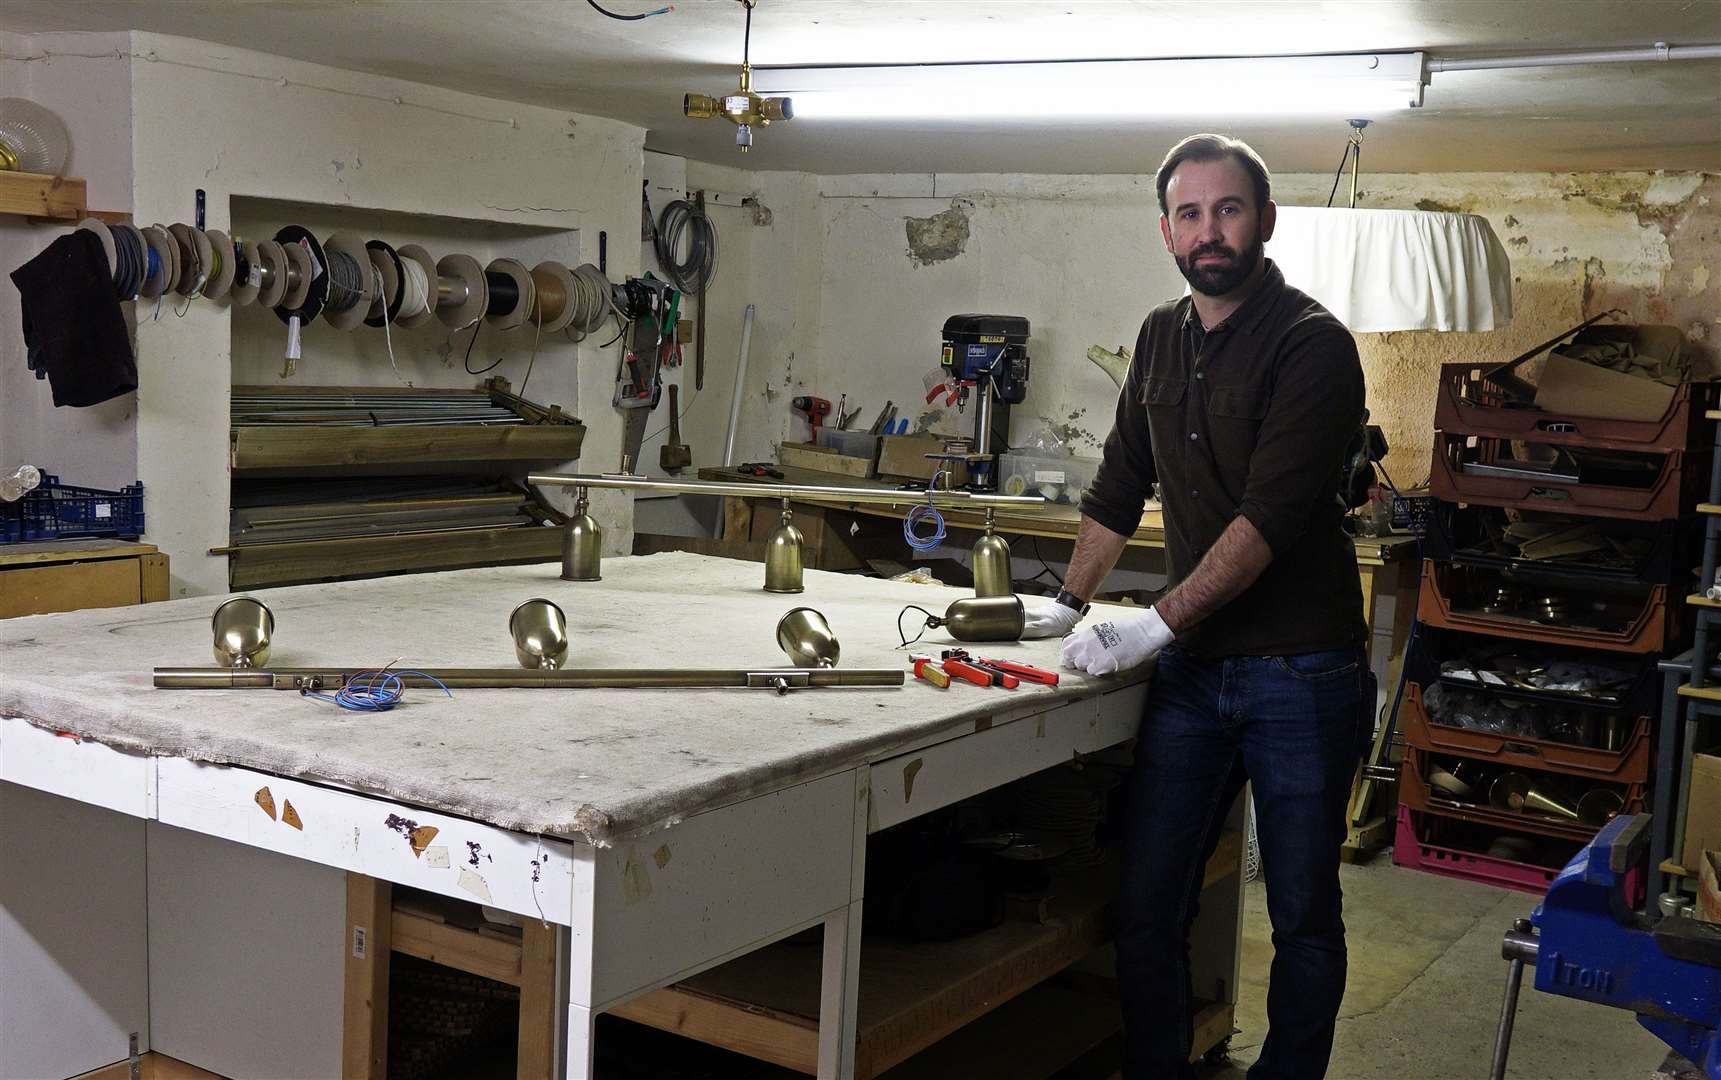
987	357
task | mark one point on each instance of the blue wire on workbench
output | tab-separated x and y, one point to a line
373	691
924	512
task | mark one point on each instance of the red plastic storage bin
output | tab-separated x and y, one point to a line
1415	846
1682	481
1627	765
1468	404
1646	622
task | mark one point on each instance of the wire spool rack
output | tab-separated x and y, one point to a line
346	281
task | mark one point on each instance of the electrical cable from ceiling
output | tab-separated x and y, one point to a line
601	10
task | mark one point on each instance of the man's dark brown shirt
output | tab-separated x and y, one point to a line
1251	417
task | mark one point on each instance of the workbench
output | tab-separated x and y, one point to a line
206	874
1386	564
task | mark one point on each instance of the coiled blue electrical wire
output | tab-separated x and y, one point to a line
924	512
373	691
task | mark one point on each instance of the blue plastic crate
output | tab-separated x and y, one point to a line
56	511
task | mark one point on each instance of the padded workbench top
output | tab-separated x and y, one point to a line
589	765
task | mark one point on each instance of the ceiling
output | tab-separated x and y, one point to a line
563	54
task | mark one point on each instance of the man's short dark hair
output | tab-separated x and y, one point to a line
1217	148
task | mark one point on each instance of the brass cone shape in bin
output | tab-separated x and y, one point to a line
582	545
243	627
1515	791
783	558
540	634
806	638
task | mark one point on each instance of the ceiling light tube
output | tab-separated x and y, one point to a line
1337	86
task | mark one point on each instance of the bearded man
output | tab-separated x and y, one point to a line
1240	401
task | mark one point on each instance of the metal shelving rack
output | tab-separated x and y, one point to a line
1691	692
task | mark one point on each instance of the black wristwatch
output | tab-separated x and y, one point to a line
1072	601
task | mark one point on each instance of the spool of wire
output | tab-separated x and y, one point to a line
592	300
346	282
414	290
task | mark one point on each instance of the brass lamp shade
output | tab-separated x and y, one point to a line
985	618
243	627
582	546
806	638
540	634
783	558
992	566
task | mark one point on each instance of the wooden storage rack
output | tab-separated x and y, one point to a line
915	998
549	435
317	538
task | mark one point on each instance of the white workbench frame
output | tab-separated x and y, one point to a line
646	911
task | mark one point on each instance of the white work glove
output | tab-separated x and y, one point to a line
1117	643
1049	620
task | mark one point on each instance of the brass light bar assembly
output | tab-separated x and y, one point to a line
333	678
242	626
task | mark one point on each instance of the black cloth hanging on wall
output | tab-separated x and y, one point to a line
73	329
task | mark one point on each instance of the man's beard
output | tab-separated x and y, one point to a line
1219	278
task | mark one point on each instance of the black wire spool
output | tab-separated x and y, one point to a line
129	263
504	293
313	305
693	274
391	307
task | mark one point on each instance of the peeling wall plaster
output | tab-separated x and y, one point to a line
1082	259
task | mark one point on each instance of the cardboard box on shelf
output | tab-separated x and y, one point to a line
1703	809
1574	387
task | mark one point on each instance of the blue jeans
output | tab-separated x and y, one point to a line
1295	726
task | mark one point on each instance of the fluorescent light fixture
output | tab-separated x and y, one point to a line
1318	86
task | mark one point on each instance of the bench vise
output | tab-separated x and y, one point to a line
1586	942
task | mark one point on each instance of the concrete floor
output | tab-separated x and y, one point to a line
1423	996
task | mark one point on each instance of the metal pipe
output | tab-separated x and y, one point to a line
740	380
1520	946
1660	52
801	492
332	678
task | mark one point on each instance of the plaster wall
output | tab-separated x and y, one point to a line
1082	259
86	80
248	126
773	256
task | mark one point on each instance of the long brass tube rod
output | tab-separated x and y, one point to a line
779	679
802	492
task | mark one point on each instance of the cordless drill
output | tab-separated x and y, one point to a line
816	409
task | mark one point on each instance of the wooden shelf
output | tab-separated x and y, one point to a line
52	198
766	1004
1709	508
268	565
1701	693
1699	600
